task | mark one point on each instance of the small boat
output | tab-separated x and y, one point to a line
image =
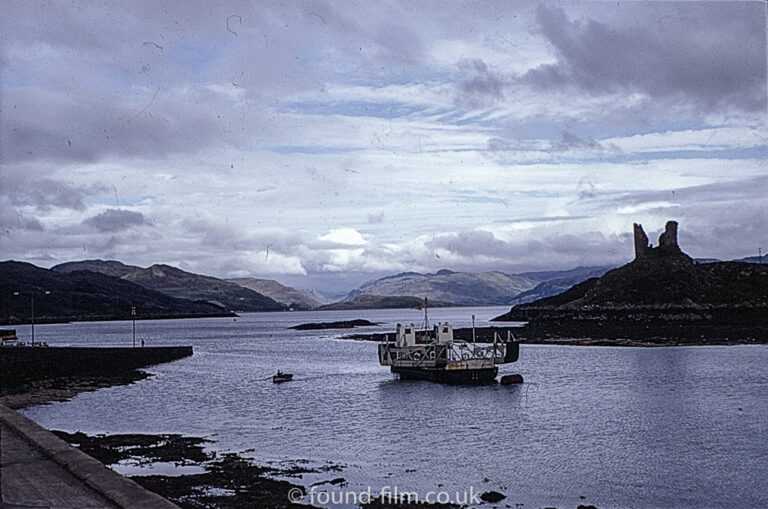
281	377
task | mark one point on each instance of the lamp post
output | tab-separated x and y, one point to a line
32	309
133	316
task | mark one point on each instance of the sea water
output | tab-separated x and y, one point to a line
614	427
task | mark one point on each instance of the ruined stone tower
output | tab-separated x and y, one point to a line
667	241
641	241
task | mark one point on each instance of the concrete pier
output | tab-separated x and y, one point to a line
20	364
38	469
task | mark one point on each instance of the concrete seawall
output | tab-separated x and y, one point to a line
57	460
19	365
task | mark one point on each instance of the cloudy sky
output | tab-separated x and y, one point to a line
328	143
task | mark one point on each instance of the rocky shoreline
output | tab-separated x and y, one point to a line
40	392
227	480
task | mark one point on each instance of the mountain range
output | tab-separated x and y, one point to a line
290	297
180	284
85	295
165	291
555	282
461	288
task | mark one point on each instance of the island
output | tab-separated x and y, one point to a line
347	324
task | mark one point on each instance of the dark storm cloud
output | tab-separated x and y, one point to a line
140	101
482	87
21	188
570	141
479	249
12	220
115	220
218	231
708	52
471	243
43	125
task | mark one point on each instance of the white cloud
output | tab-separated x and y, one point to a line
345	237
702	140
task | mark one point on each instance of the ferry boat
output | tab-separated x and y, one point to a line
436	356
8	337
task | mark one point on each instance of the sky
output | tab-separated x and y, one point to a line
325	144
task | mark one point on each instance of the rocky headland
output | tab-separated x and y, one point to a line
662	297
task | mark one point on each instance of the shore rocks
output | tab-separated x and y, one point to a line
492	496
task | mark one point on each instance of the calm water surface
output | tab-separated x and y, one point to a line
621	427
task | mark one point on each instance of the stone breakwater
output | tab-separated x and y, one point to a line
23	365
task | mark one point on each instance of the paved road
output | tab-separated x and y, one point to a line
29	479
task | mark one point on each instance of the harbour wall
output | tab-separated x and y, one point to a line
24	364
119	490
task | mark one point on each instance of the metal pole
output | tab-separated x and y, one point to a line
133	315
473	328
32	307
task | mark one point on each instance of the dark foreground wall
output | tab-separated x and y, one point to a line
19	365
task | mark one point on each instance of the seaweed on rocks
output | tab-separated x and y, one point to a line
228	480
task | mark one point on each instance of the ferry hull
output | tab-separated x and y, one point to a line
476	376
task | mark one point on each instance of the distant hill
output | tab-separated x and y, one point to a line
181	284
186	285
461	288
754	259
383	302
549	275
84	295
747	259
662	292
290	297
321	296
557	282
109	267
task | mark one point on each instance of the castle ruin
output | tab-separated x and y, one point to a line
667	241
